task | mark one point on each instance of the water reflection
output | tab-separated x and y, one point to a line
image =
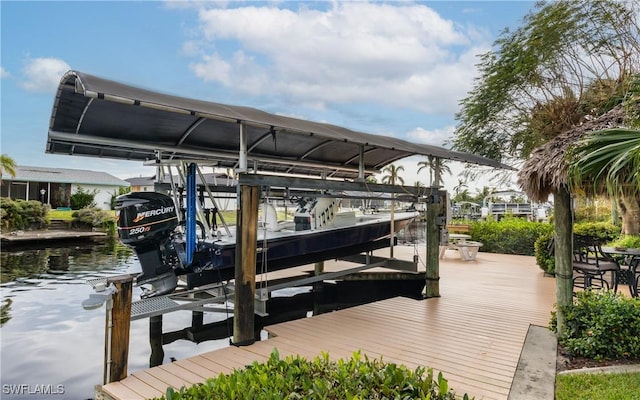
4	311
60	263
47	338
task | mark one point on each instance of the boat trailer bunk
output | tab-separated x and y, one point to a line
216	297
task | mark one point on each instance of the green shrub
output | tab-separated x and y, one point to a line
509	236
297	378
604	231
82	199
116	193
22	214
544	253
628	241
93	218
601	325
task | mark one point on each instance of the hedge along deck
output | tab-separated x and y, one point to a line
473	334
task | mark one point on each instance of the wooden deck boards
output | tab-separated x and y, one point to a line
473	334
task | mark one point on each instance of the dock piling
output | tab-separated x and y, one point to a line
117	350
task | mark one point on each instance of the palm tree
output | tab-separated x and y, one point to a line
482	194
610	161
392	176
7	165
437	166
460	187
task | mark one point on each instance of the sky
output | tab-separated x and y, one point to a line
391	68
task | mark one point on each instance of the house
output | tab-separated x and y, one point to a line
54	186
142	184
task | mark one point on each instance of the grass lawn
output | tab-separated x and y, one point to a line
599	386
64	215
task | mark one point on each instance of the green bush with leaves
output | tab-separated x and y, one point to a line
545	258
601	324
116	193
82	199
298	378
544	253
509	235
95	218
22	214
628	241
603	231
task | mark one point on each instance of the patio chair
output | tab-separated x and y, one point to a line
634	267
591	264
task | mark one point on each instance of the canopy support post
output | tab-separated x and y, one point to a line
242	156
361	162
563	239
432	232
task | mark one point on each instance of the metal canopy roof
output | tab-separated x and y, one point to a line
96	117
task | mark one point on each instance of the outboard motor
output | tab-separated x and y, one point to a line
146	222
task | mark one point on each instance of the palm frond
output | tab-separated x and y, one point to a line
608	160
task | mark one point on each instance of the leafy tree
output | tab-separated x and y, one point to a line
436	166
610	160
462	195
116	193
7	165
482	194
82	199
567	60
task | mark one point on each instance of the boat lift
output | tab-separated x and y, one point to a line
203	297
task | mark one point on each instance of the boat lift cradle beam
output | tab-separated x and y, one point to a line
217	293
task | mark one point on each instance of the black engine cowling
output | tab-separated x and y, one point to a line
146	221
145	216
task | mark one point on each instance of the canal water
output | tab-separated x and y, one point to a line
52	348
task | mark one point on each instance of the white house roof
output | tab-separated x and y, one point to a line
65	175
141	181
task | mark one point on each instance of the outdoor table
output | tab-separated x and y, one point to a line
630	260
459	241
458	237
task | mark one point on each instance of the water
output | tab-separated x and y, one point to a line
47	339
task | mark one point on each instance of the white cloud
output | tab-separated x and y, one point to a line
400	54
435	137
4	73
43	74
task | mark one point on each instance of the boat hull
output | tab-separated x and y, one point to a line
300	248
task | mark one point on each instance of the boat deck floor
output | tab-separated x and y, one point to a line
473	333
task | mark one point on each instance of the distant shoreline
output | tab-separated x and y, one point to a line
24	238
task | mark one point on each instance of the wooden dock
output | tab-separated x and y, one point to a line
473	334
